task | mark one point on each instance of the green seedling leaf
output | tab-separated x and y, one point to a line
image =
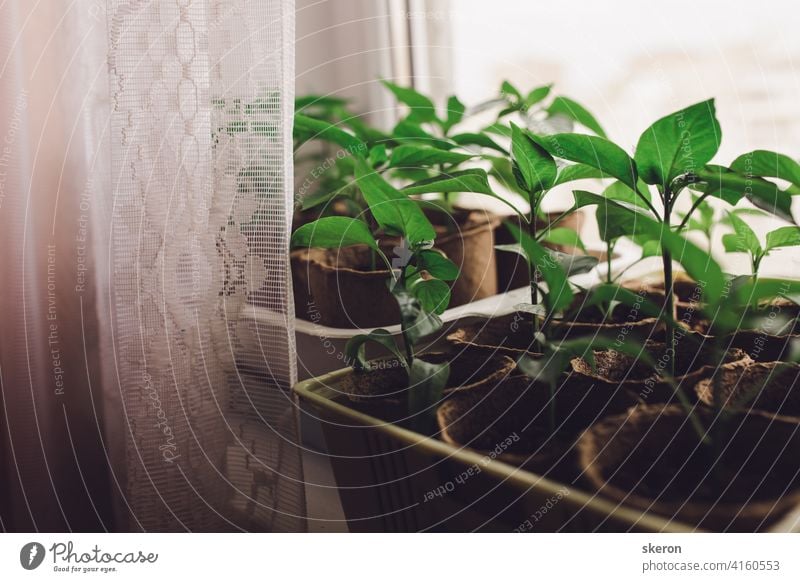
756	292
537	95
535	165
510	92
377	155
618	220
319	197
317	129
437	265
577	112
498	129
355	349
415	321
650	247
478	139
564	236
408	131
570	264
680	143
455	113
502	171
411	155
320	101
786	236
744	240
392	210
422	108
731	187
472	180
593	151
623	193
333	232
364	131
432	294
614	220
573	264
767	164
575	172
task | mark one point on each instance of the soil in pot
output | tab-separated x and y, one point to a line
768	386
511	420
693	362
382	390
346	288
651	458
778	319
512	333
512	269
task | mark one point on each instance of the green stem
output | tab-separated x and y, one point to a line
666	256
609	252
406	341
532	273
691	211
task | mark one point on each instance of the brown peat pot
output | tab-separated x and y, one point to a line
693	363
517	411
767	386
382	390
512	333
344	288
651	458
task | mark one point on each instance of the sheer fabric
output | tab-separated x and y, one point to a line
161	193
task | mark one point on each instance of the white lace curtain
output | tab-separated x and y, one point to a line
145	206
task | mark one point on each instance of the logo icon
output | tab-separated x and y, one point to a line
31	555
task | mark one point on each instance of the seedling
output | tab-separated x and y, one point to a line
417	280
744	240
673	155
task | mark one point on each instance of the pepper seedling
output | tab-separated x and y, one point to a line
673	155
417	280
744	240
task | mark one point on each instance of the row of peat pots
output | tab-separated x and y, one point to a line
609	447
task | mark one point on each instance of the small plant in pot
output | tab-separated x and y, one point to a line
409	152
549	403
540	112
416	280
717	465
776	317
673	156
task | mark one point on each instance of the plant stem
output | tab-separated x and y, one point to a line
609	252
406	341
666	256
532	274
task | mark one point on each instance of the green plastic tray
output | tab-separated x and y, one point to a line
387	476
